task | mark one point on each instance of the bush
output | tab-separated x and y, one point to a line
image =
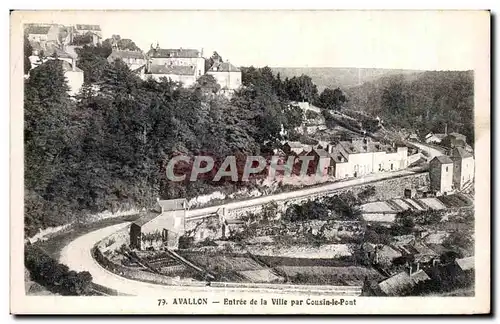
312	114
55	276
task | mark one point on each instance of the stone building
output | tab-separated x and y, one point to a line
362	156
42	33
163	226
463	167
133	59
441	174
227	75
183	65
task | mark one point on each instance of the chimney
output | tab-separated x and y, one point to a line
446	129
73	64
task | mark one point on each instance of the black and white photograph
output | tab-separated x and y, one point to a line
257	162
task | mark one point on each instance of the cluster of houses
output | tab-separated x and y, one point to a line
417	264
52	41
179	65
354	158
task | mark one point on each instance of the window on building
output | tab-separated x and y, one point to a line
392	167
446	169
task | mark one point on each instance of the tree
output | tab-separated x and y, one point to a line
28	51
332	99
93	61
123	44
302	89
207	83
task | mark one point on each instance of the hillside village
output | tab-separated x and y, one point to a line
409	230
179	65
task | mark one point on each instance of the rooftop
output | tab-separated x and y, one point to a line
88	27
443	159
38	30
172	69
145	218
460	153
295	144
397	284
126	54
223	67
320	152
173	52
466	263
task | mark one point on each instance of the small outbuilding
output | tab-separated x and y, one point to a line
162	226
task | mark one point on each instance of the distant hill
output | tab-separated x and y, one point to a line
328	77
422	102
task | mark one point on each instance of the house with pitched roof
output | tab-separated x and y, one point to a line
133	59
227	75
454	139
362	156
463	167
92	33
42	33
162	226
173	57
441	174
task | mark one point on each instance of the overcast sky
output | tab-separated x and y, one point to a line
426	40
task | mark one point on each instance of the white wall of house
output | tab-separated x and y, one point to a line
229	80
197	62
463	171
75	81
441	176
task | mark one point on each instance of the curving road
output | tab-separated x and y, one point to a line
77	254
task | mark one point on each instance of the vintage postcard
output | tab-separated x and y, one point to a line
250	162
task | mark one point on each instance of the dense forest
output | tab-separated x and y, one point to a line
423	102
107	148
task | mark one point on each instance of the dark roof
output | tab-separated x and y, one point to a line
337	156
173	69
145	218
397	284
320	152
39	30
223	67
458	135
460	152
419	276
126	54
88	27
174	52
443	159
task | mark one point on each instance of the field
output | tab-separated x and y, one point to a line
336	276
